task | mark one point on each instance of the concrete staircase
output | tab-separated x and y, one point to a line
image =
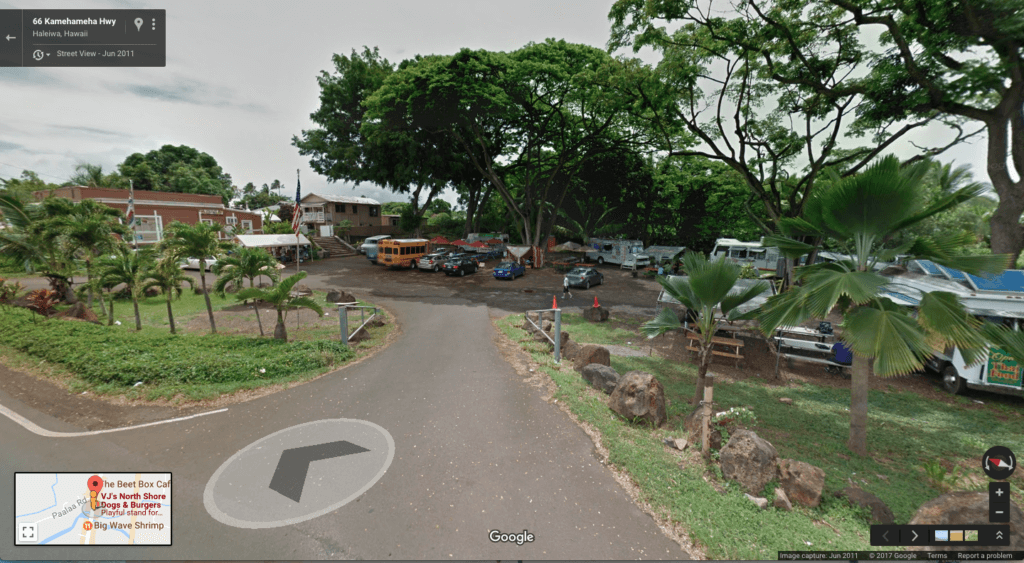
335	246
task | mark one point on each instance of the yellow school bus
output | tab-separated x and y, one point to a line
401	253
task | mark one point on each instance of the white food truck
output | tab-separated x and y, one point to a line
765	258
999	300
617	251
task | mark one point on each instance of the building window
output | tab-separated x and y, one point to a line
374	211
353	208
232	220
247	226
394	221
339	207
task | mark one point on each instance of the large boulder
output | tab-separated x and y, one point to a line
782	501
339	296
570	350
302	289
80	312
964	509
802	482
596	314
880	512
694	425
639	395
749	460
153	292
601	377
593	354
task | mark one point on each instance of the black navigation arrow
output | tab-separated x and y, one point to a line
290	475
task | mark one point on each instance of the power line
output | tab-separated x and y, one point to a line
39	173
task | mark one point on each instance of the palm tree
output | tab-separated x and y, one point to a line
168	276
31	238
861	214
244	264
129	267
89	228
196	241
281	298
708	288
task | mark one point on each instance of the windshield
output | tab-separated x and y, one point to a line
505	265
577	271
637	249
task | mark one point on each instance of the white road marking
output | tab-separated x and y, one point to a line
36	429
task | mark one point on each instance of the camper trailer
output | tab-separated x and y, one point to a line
766	259
617	251
658	254
999	300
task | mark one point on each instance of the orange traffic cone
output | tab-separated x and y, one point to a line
554	302
595	302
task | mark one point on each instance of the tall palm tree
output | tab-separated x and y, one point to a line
860	214
196	241
129	267
168	276
708	289
89	228
244	264
281	298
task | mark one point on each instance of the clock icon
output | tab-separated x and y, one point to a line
38	55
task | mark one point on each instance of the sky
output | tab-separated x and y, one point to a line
240	81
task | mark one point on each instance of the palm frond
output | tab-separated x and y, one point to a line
733	300
784	309
308	303
942	315
885	332
664	322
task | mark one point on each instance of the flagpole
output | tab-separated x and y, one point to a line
131	213
298	254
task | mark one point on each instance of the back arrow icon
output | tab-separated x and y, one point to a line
9	37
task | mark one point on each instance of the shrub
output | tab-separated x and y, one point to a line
100	354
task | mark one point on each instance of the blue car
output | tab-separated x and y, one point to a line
509	270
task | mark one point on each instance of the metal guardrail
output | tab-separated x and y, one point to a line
557	341
343	309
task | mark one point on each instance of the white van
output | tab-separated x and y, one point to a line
369	247
618	251
764	258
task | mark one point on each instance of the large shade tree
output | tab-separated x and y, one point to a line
860	214
179	169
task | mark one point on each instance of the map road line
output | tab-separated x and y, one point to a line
36	429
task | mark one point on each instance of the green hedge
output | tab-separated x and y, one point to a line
105	355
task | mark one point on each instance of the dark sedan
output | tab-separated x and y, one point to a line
460	266
584	277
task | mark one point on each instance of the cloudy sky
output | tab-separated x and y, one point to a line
240	80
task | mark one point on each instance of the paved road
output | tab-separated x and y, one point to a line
476	449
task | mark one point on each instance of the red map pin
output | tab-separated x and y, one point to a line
95	483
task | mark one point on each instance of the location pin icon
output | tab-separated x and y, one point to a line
138	23
95	484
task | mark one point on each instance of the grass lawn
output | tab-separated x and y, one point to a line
191	365
907	436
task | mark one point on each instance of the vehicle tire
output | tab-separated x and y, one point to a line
437	268
600	260
952	382
586	285
600	280
462	272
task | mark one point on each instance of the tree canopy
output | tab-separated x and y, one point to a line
179	169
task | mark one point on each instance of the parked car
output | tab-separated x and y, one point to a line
459	266
584	277
435	260
509	270
193	263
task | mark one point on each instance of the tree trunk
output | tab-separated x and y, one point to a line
103	305
170	314
256	307
705	442
88	278
206	295
110	315
1007	234
280	333
858	443
704	359
138	319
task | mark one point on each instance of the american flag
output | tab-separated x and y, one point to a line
130	216
297	213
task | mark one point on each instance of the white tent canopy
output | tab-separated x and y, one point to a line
270	241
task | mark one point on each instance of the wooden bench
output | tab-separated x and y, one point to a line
733	343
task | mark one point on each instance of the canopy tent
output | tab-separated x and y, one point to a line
478	244
493	241
460	242
439	240
568	247
270	241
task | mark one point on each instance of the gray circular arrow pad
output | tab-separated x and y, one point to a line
299	473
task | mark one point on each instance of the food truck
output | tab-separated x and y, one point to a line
617	251
766	259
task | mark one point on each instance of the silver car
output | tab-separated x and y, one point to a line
584	277
435	260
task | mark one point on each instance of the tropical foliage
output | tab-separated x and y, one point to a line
281	297
200	241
